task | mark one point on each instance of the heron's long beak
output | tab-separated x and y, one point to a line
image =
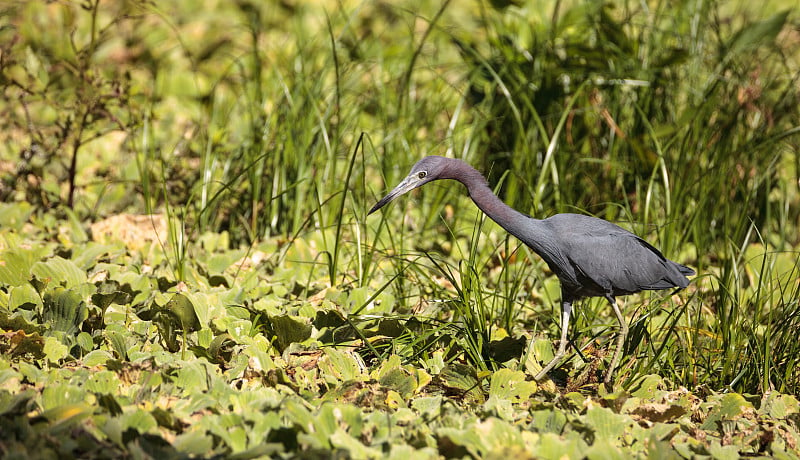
409	183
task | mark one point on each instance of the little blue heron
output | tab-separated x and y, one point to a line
591	257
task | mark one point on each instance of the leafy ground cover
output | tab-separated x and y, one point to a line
187	269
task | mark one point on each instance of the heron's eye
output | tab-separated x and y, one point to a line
422	174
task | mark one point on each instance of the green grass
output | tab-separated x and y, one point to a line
270	316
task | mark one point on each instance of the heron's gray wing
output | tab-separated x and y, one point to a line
614	259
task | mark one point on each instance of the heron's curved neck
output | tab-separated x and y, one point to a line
513	221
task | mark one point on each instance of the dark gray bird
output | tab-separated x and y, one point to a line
591	257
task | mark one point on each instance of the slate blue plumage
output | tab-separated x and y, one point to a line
591	257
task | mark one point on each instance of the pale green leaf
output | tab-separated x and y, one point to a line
337	365
354	447
85	341
193	443
138	420
605	423
56	395
103	382
602	449
59	271
24	296
96	358
16	264
54	350
511	384
428	406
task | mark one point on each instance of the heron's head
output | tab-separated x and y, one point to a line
426	170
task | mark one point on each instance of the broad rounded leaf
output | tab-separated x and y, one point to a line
15	265
59	271
64	311
183	309
54	350
24	296
290	329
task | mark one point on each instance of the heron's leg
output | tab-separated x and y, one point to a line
566	310
623	332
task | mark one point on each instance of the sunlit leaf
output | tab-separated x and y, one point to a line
509	384
24	296
59	271
427	406
780	406
339	365
729	407
399	380
118	344
67	414
718	451
606	424
554	446
63	395
138	420
84	340
16	264
356	449
193	443
646	386
602	449
54	350
192	377
96	358
92	252
549	421
463	381
488	437
103	382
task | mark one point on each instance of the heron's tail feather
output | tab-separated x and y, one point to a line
685	271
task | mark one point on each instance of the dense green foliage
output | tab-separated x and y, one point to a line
187	268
